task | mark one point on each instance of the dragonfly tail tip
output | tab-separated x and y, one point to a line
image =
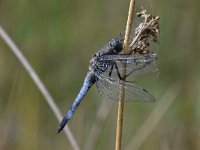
59	129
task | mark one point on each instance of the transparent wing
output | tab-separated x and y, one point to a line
134	65
129	58
110	88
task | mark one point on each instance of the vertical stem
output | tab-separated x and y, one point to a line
122	90
120	118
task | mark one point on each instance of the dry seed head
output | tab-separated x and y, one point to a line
146	32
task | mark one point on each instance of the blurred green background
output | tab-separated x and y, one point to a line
58	37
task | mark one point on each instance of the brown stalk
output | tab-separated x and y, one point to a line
122	90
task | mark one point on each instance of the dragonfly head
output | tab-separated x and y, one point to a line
116	45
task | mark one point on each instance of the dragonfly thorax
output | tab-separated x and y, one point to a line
97	65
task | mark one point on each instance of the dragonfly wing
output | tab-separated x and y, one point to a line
134	65
111	88
129	58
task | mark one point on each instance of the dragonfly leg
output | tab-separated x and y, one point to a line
118	73
111	69
116	67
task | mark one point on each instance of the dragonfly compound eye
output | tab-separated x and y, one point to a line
118	46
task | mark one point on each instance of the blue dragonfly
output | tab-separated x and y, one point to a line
105	71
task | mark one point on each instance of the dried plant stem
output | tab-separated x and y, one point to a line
49	99
120	119
122	90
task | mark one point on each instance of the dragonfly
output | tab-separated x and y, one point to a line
105	70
